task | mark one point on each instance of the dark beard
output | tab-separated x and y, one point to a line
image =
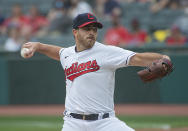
87	43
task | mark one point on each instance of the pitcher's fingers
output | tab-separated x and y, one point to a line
166	57
26	45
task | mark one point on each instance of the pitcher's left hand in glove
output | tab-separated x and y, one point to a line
158	69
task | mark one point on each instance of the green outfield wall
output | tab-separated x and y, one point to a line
41	80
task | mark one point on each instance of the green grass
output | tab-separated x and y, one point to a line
31	123
156	121
54	123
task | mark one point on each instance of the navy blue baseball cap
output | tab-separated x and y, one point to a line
84	19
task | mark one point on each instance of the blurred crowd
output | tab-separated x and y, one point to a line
21	26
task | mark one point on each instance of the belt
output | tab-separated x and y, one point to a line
89	117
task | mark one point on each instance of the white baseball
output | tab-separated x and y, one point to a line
24	51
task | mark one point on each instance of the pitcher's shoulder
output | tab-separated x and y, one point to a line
67	50
108	47
100	45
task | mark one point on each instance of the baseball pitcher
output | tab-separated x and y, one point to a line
89	68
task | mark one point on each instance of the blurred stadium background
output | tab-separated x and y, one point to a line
139	25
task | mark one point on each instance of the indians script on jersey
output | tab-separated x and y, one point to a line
77	70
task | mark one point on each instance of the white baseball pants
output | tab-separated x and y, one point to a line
107	124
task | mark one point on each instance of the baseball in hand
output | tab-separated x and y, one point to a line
24	51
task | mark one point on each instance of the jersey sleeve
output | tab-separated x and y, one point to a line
60	51
61	55
117	57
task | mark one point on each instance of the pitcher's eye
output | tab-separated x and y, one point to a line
95	29
90	28
86	28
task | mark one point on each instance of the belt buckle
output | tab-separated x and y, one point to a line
84	117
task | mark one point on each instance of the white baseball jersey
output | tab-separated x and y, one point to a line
90	77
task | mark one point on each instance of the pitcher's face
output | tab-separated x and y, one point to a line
86	35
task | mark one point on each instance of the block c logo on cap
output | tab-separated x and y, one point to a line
90	16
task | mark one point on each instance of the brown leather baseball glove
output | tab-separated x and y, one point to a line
158	69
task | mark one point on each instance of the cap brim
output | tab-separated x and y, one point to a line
99	25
